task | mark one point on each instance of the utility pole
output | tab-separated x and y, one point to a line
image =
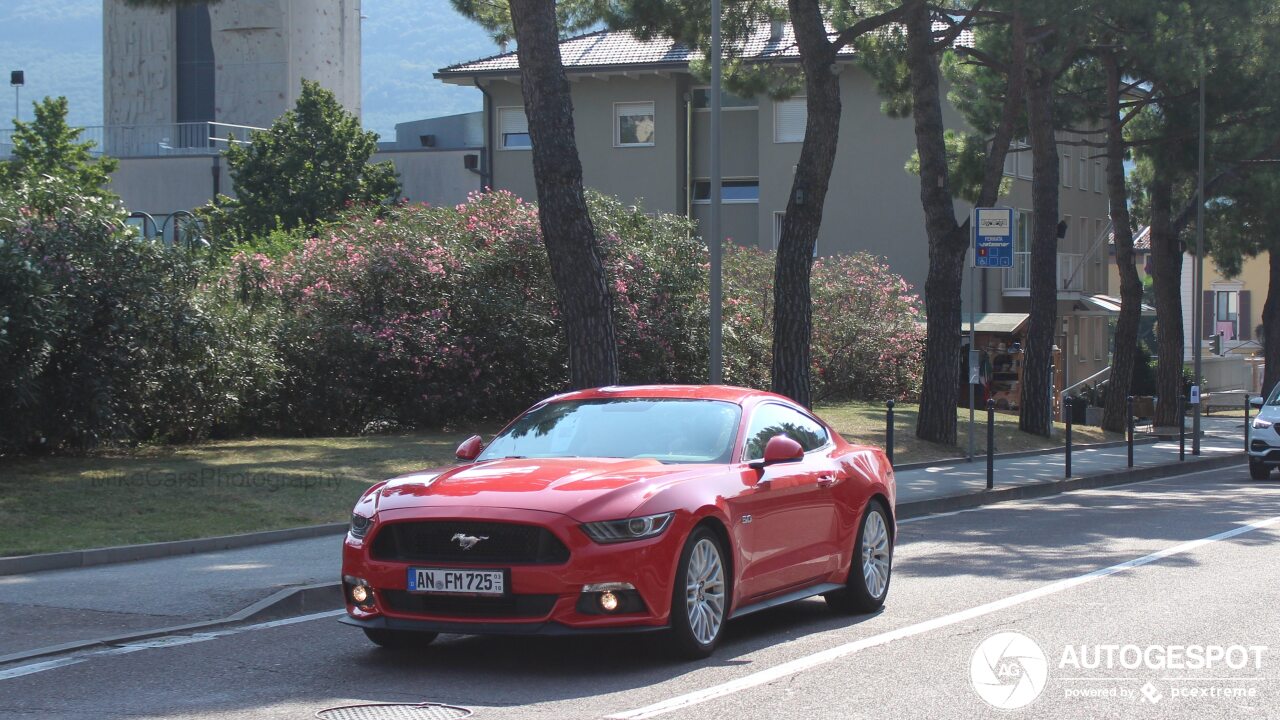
713	221
1198	300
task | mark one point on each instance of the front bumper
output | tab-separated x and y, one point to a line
547	628
1264	446
553	590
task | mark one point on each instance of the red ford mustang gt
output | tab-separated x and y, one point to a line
625	509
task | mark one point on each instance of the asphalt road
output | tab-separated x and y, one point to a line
1151	574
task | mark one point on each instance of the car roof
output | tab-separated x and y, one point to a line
727	393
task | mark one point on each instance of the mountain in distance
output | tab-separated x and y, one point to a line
58	43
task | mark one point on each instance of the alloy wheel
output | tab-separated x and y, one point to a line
875	555
705	591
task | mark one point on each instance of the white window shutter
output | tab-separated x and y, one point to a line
789	118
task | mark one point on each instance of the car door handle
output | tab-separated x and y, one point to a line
827	481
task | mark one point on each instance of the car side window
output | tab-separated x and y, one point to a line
770	420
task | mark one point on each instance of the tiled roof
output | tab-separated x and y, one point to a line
1141	240
605	49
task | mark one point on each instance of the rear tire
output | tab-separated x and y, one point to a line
870	568
700	598
1258	471
399	639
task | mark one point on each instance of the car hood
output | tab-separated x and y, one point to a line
585	489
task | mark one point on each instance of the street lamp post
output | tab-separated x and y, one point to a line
1197	313
713	221
17	79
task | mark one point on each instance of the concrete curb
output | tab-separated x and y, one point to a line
22	564
288	602
966	501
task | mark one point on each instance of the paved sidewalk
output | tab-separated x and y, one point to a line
49	608
958	477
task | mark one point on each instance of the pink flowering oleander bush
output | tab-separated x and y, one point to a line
432	315
108	338
867	343
429	315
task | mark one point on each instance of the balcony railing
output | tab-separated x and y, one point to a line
1018	279
196	138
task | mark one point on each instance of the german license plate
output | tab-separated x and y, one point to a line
456	581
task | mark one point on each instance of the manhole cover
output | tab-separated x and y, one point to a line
394	711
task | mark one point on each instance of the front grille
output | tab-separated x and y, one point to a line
503	543
509	606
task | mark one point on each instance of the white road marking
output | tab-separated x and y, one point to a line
821	658
157	643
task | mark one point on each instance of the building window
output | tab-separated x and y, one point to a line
701	98
778	217
1098	176
1226	314
1084	171
731	191
1025	161
195	70
633	124
1066	170
513	128
789	118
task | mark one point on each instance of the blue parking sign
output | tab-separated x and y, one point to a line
993	230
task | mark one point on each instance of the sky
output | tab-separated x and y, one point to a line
58	43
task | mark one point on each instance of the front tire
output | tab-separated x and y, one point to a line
1258	471
700	599
871	567
399	639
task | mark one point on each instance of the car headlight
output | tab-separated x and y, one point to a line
360	526
1260	424
636	528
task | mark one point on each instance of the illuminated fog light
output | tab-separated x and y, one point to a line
608	601
360	594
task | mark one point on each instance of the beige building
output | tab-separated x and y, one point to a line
642	129
238	62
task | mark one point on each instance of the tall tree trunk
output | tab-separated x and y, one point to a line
792	320
1126	340
1271	325
1037	409
582	290
948	241
1166	270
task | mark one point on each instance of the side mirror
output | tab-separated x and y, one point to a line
1256	401
469	449
779	449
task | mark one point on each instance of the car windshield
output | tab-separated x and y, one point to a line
665	429
1274	397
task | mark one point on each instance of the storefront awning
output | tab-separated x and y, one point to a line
1105	305
1001	323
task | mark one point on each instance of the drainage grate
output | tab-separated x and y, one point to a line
394	711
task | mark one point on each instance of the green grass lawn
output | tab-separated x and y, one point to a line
218	488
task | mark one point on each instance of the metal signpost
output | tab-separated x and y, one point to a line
992	232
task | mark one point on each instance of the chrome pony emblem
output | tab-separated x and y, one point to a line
466	542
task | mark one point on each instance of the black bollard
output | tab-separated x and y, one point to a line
888	431
991	444
1066	413
1246	421
1182	428
1129	426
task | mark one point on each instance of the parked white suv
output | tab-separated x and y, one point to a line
1264	435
